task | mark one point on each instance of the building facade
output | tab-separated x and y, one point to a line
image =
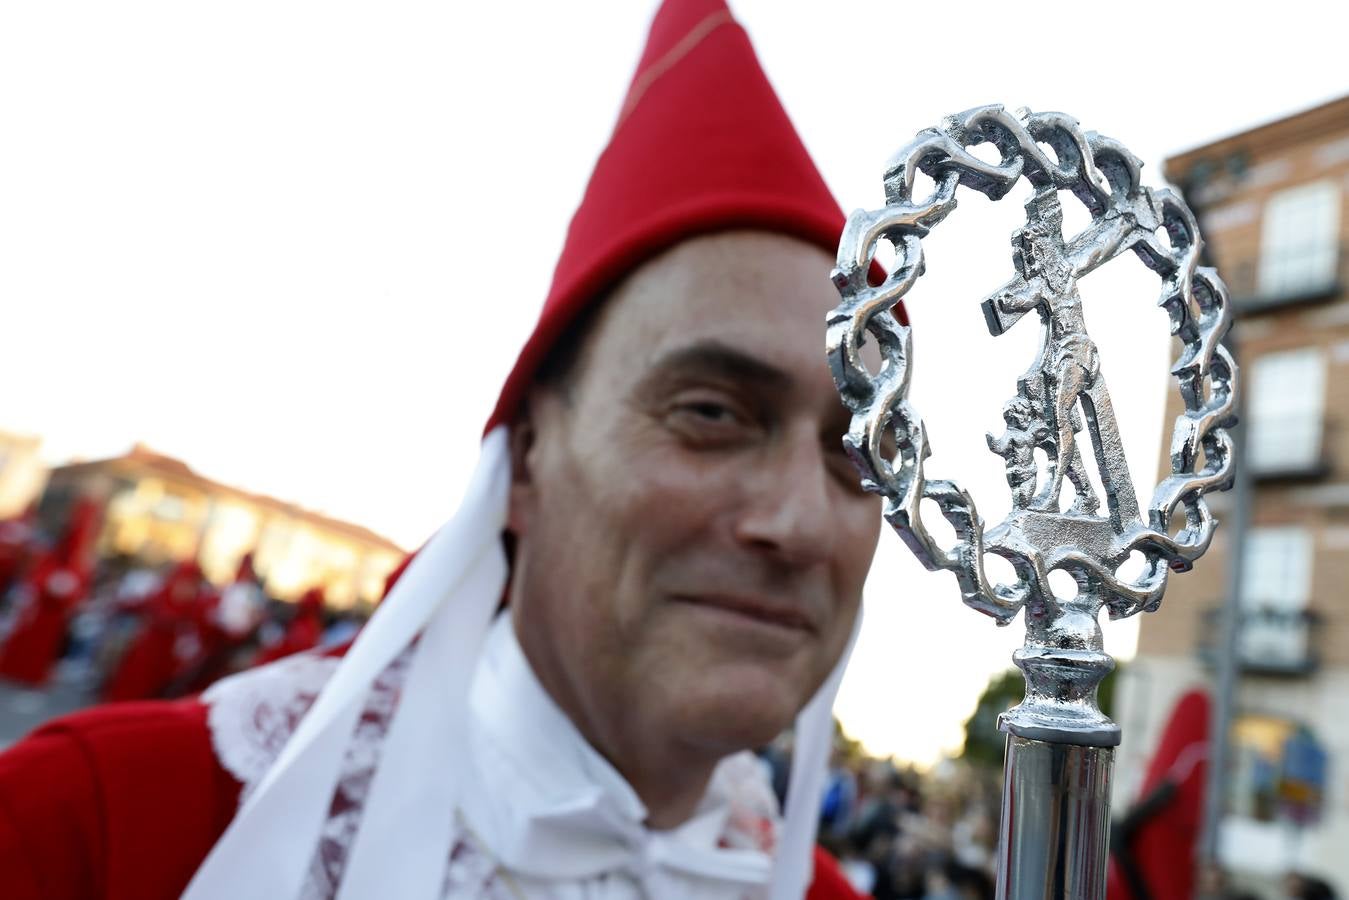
22	472
157	509
1273	203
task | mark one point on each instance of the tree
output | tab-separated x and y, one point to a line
983	742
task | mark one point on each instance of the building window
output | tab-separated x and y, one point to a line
1299	242
1276	567
231	530
1286	406
171	508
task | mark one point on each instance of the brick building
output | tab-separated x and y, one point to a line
1272	202
22	472
157	509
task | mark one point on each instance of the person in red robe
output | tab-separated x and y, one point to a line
228	621
16	537
303	632
46	598
1153	847
168	639
665	508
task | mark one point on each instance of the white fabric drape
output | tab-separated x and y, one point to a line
805	785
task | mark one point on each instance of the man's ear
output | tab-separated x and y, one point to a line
523	442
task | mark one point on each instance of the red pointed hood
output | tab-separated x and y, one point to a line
76	546
245	572
183	583
702	144
311	603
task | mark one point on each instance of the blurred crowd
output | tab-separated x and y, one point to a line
904	834
1213	885
127	631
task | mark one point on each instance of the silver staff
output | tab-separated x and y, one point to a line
1060	746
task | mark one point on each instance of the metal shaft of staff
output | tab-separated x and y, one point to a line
1055	825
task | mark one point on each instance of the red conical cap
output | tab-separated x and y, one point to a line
312	601
75	549
245	572
702	144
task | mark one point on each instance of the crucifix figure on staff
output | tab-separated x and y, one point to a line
1068	368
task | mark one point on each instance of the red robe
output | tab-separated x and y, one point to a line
226	621
93	806
303	633
167	642
53	587
15	535
213	655
1156	839
49	594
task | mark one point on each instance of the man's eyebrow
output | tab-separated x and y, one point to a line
713	357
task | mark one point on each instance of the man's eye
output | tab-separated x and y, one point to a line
711	411
709	420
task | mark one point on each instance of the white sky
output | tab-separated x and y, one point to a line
298	244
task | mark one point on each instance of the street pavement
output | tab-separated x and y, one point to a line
22	710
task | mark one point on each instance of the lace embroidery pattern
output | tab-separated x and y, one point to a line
254	713
251	716
753	820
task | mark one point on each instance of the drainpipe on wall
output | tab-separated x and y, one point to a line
1229	620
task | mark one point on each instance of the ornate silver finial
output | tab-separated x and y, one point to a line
1063	391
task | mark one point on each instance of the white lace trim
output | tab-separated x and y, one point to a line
254	713
251	716
754	817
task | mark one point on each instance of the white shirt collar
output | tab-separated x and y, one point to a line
547	804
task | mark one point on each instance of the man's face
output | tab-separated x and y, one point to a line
692	541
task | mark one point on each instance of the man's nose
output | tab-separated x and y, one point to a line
788	509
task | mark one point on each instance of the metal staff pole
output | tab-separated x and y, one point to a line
1060	747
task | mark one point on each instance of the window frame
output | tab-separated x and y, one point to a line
1287	396
1300	241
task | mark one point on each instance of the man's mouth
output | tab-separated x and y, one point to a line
760	610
